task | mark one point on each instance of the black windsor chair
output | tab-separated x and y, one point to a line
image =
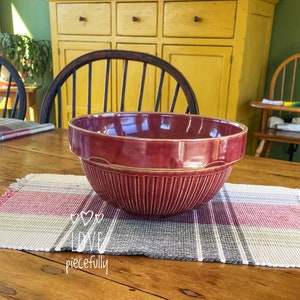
152	84
13	100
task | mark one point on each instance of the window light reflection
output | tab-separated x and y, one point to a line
19	27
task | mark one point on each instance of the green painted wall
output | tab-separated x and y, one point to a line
35	14
285	42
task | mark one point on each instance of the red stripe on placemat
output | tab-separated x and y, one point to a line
64	204
43	203
270	216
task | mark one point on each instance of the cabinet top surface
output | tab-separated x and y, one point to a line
270	1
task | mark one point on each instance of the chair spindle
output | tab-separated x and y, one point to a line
59	105
106	84
158	96
74	93
142	87
174	97
123	89
89	95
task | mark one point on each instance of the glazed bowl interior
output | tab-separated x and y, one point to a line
158	126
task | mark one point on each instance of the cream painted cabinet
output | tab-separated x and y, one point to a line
68	51
221	46
208	70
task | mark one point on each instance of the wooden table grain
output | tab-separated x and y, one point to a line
43	275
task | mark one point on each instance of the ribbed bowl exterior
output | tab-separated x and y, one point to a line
155	192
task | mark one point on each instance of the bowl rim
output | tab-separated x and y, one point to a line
244	128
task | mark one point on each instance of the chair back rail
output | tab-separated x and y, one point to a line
284	80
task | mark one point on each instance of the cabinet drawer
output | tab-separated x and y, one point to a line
137	19
215	19
84	18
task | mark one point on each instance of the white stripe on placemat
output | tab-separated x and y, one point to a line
197	236
216	233
109	232
64	236
70	227
241	243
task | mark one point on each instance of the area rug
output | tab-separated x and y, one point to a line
243	224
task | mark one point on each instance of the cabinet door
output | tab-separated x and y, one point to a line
207	68
68	51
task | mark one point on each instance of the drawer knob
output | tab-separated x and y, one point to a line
82	19
197	19
135	19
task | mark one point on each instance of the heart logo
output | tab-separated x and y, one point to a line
74	218
86	216
99	217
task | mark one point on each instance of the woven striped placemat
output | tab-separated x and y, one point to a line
243	224
13	128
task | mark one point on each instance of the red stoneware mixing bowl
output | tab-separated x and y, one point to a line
156	164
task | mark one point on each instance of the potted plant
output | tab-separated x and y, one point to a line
32	58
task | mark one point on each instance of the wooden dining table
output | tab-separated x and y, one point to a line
42	275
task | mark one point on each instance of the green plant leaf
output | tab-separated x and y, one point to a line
31	57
